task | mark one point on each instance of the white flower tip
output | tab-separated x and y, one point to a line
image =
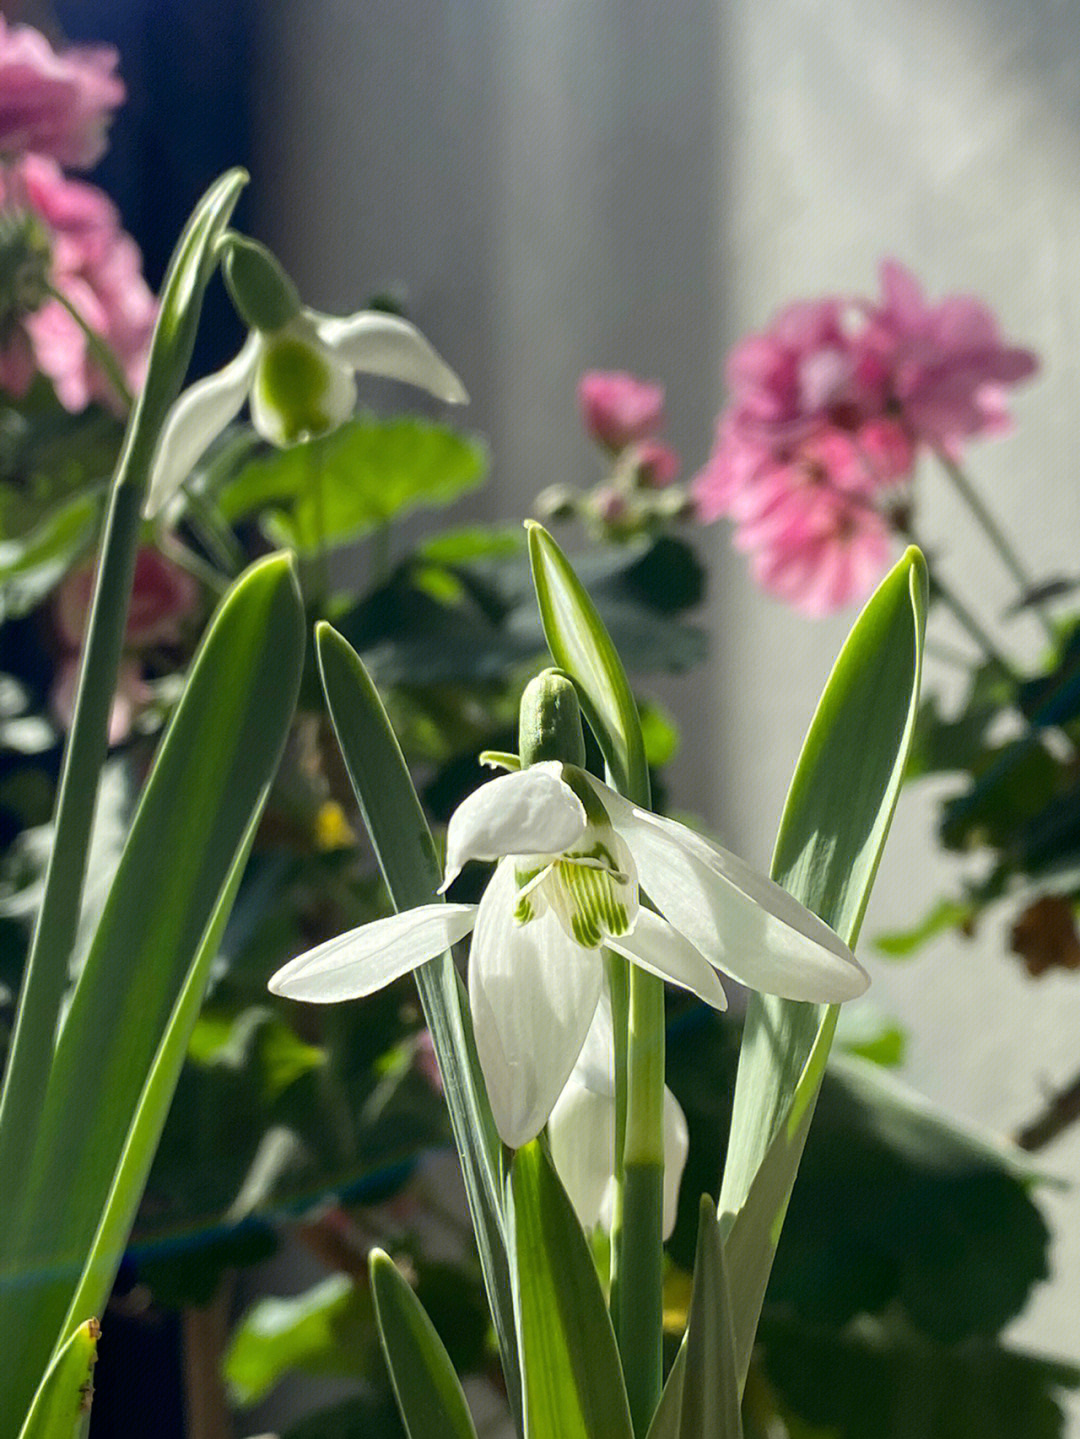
452	872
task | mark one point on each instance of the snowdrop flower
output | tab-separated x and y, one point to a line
297	370
582	1132
573	858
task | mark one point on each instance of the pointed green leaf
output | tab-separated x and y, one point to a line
213	767
410	867
61	1407
710	1387
834	825
573	1379
429	1395
580	644
46	973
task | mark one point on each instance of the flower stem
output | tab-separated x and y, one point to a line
102	353
996	535
965	617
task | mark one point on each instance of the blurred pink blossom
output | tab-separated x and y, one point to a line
55	103
618	409
162	597
943	367
425	1061
132	694
98	268
829	408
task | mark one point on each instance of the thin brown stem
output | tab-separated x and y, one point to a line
206	1331
1060	1111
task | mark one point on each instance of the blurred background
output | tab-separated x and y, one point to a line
619	185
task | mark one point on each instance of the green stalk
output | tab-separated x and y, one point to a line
639	1317
996	535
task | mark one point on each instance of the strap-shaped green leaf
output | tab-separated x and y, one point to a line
580	644
834	826
61	1407
30	1052
570	1365
213	767
410	867
428	1393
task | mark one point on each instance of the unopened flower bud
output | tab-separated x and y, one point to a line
262	292
25	261
557	502
549	727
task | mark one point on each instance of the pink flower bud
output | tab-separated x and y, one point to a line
619	409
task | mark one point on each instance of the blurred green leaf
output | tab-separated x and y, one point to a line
874	1380
327	1330
428	1392
864	1031
946	914
371	1415
364	474
34	563
573	1379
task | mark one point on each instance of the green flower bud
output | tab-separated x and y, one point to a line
264	296
549	727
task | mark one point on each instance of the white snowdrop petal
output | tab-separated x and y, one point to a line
657	946
581	1131
676	1148
528	812
742	922
368	958
377	344
532	992
195	421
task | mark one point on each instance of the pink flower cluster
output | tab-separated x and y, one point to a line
60	232
163	596
55	104
830	408
622	413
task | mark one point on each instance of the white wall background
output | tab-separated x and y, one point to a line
612	183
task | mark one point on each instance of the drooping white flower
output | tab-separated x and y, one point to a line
573	859
297	369
581	1129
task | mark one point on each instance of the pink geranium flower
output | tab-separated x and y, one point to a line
96	266
55	103
163	596
943	368
618	409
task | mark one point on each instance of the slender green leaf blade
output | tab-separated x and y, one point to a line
61	1407
581	645
429	1395
211	772
834	826
45	976
99	1271
574	1385
410	867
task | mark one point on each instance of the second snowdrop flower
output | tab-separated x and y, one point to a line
297	369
